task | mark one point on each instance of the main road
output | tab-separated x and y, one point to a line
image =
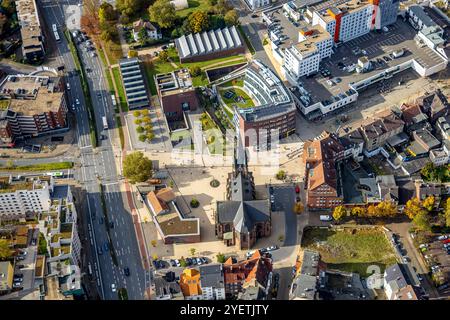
98	166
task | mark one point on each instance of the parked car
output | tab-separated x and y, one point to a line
33	241
188	261
77	101
177	263
271	248
111	225
99	250
126	271
173	263
443	237
203	260
17	285
325	218
199	262
113	287
406	259
423	245
20	266
106	246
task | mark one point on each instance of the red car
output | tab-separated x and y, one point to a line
297	189
446	241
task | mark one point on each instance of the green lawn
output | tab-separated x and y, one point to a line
215	63
248	102
153	68
351	250
233	82
120	89
194	5
121	133
41	167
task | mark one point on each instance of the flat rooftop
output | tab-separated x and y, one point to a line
172	224
400	36
174	82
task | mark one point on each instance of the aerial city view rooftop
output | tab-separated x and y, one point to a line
224	150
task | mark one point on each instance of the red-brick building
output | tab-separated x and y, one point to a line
320	158
176	94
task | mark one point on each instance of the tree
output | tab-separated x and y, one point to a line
192	251
137	113
153	243
358	211
221	7
5	251
137	167
143	36
281	175
339	212
132	54
220	258
145	112
142	138
106	13
195	71
146	120
163	56
386	209
128	7
198	21
428	203
231	18
183	262
194	203
140	129
138	121
298	207
447	213
10	164
422	221
412	208
150	136
163	13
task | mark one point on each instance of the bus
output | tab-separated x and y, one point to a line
113	98
105	123
54	27
58	174
56	36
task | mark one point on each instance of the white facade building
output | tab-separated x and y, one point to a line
212	282
256	4
21	196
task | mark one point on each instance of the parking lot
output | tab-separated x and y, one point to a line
378	48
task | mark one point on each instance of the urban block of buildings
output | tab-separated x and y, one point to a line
313	44
209	45
273	116
30	106
242	219
133	83
33	48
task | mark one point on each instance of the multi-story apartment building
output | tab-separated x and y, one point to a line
211	281
31	106
320	158
274	111
59	225
30	29
376	131
25	195
6	276
304	57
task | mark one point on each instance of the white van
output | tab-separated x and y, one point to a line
325	218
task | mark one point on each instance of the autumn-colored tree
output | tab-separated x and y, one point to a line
339	212
128	7
386	209
222	7
163	56
192	251
106	13
298	207
153	243
428	203
358	211
5	250
371	211
90	22
198	21
413	207
163	13
231	18
422	221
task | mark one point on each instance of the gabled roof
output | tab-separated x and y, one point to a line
166	195
321	156
157	205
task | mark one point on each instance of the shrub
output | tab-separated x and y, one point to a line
194	203
140	129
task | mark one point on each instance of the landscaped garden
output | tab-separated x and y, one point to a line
236	97
351	249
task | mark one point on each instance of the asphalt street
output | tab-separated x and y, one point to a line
98	166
